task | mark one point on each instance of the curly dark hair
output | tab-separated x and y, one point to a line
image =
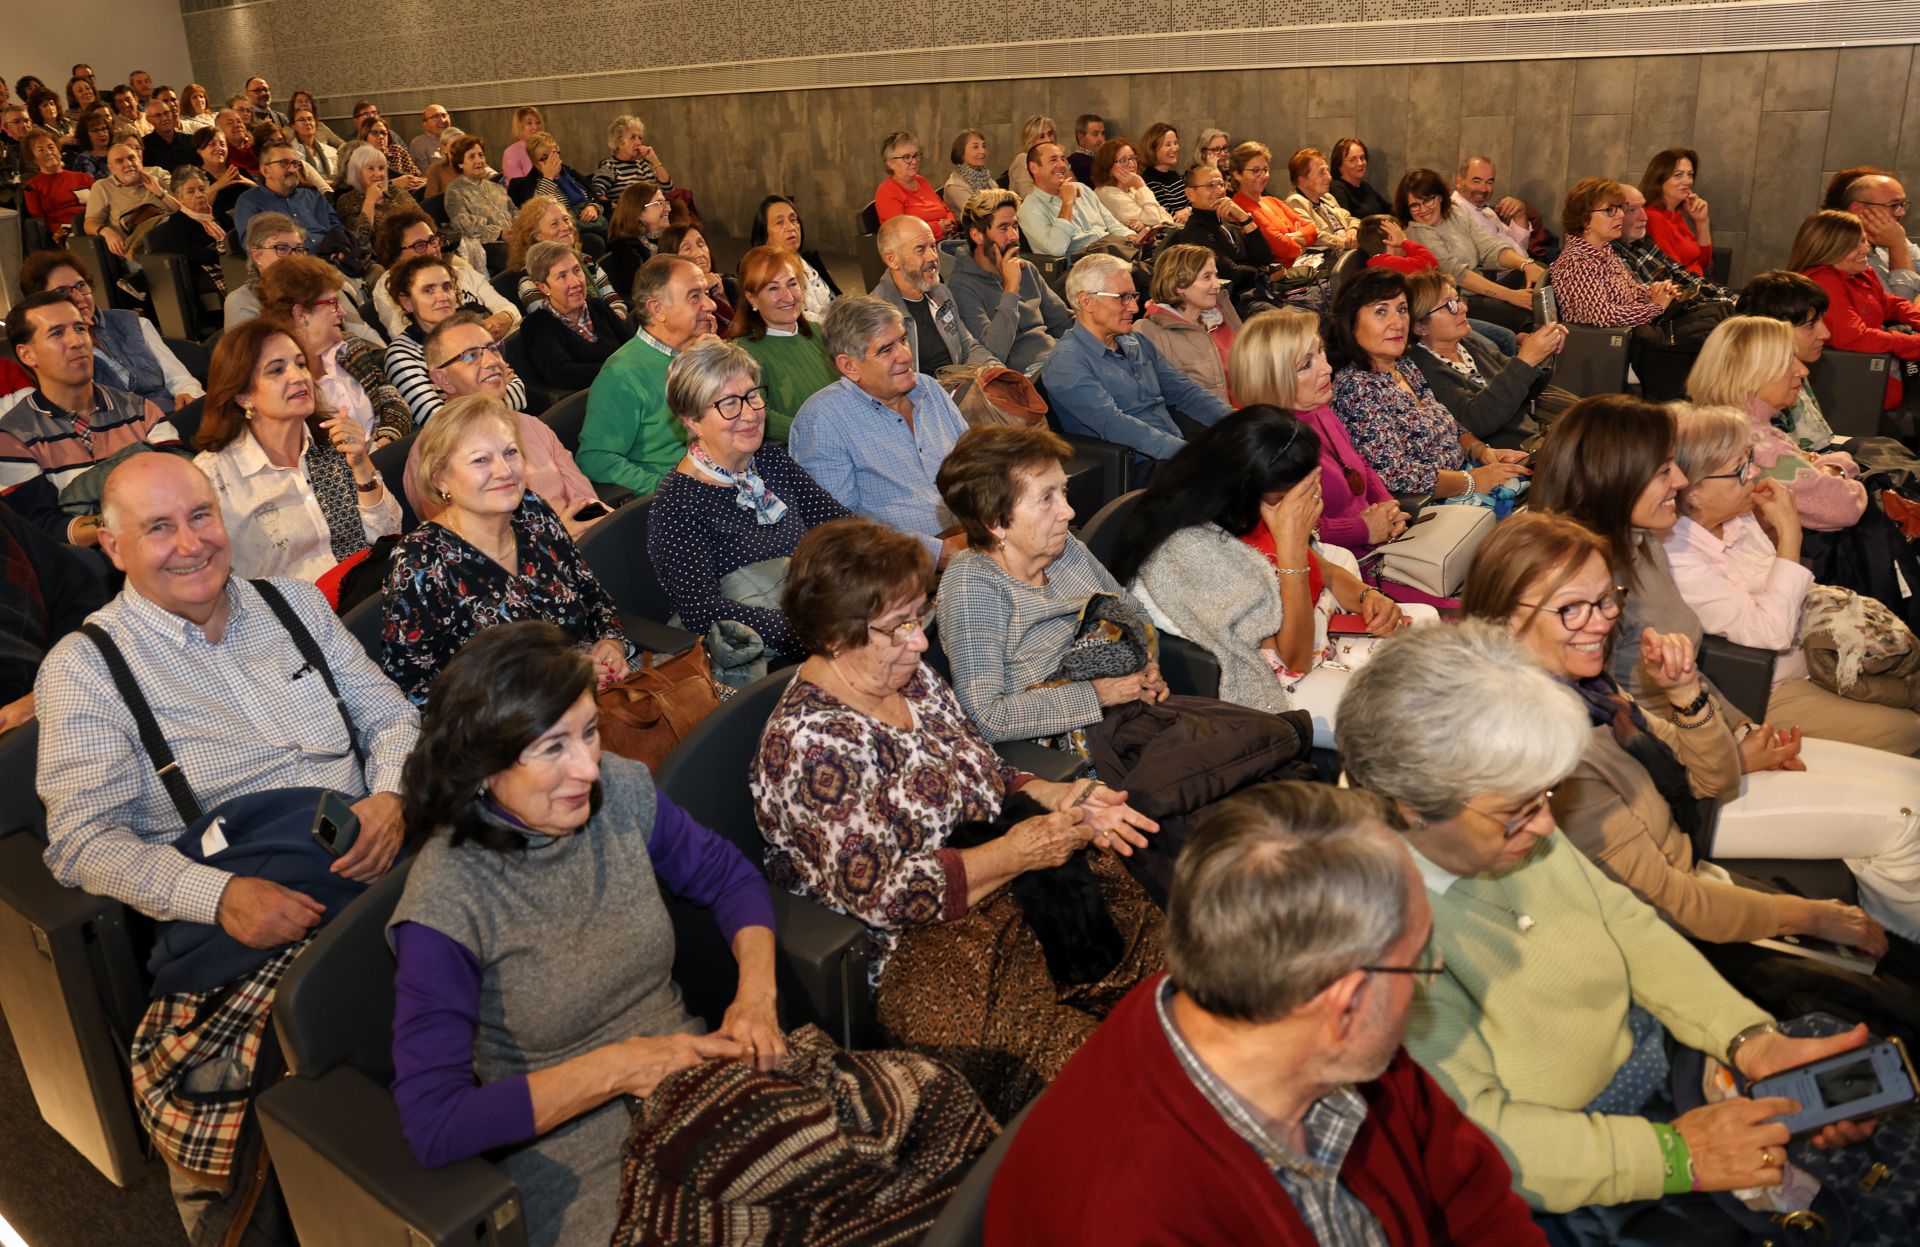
503	689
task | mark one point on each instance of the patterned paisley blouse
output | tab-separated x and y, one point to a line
442	591
1408	435
855	811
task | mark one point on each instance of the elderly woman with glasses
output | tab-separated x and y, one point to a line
375	132
727	519
271	238
1590	280
1550	1023
352	376
547	220
1500	399
371	197
867	773
905	191
495	553
1423	203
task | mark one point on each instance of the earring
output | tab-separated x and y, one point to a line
480	793
246	412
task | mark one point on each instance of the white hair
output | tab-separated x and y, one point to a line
362	159
1091	273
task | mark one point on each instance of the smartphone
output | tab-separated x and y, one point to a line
1854	1084
1546	306
593	511
1347	625
335	825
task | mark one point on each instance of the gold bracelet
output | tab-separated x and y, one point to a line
1293	571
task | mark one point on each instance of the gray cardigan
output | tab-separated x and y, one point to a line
961	347
1020	328
1218	592
1494	405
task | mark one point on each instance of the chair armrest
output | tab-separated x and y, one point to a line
350	1178
656	637
615	496
1742	673
823	965
1413	504
1188	668
1036	759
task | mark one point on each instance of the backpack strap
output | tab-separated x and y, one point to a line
151	737
310	651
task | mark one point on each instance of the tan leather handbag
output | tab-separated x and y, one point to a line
645	715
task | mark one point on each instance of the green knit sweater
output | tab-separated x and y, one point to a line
630	438
793	369
1524	1029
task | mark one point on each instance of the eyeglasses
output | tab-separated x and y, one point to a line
1216	184
281	164
1574	615
1128	297
1219	150
474	354
1422	201
1511	827
1895	206
1742	474
331	301
68	291
1612	209
732	406
907	156
285	249
1127	160
1431	966
905	630
429	244
1455	305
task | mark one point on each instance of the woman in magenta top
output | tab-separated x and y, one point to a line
905	191
1279	359
1676	217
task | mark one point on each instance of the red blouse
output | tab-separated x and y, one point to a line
1672	232
891	199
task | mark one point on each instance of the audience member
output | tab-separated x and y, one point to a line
280	191
58	443
547	220
689	243
956	968
496	553
1004	303
514	162
195	116
1248	169
633	233
1880	201
306	293
303	101
630	438
166	147
82	94
935	333
297	490
93	139
123	207
571	333
210	659
1381	242
726	520
1221	550
44	108
1648	263
1280	360
1350	187
1060	217
15	128
970	174
441	172
406	234
1034	130
875	438
463	359
770	324
553	178
53	195
1213	147
1160	157
1502	400
1834	249
1104	381
426	292
1798	301
370	197
193	234
47	589
127	114
1189	318
1115	178
905	192
376	133
776	222
1312	198
1424	206
1590	282
261	95
1676	217
1388	409
1507	221
229	180
633	160
240	151
478	207
1258	1093
270	238
434	120
1089	136
1528	928
128	352
1230	232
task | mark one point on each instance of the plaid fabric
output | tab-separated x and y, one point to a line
1649	264
194	1057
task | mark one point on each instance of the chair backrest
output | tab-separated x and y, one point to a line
170	294
436	207
234	267
193	356
1593	361
616	550
514	351
335	1002
391	462
186	421
567	417
866	248
496	255
506	284
706	774
1851	389
1101	534
963	1219
1741	672
20	808
365	620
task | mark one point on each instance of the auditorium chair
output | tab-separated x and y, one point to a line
364	620
176	308
866	247
963	1220
192	354
391	462
1113	461
1851	389
1593	361
186	421
616	550
540	396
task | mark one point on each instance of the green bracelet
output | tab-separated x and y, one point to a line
1676	1160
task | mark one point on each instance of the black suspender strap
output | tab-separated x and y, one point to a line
310	652
150	736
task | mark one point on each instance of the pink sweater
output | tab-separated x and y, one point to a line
1826	503
1741	588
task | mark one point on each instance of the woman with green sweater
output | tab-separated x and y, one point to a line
771	325
1549	1022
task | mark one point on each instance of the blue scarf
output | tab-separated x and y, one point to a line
750	492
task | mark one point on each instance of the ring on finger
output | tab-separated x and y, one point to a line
1767	1159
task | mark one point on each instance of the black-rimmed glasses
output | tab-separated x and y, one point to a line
732	406
1574	615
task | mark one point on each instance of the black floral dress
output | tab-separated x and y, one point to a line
441	591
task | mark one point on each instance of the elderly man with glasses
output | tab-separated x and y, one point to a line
1241	253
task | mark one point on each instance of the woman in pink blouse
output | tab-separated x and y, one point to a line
1735	554
905	191
1590	281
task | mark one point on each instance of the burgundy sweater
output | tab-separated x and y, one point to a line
1123	1148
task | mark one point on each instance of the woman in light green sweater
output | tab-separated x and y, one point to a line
1548	1024
770	324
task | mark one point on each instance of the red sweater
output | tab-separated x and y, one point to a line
891	199
1672	232
1858	311
50	196
1123	1148
1416	260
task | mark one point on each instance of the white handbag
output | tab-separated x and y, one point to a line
1434	553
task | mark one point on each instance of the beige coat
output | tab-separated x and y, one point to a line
1187	347
1611	810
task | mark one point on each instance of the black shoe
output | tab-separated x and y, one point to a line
128	285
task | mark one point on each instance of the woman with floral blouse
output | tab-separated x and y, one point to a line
1390	413
495	555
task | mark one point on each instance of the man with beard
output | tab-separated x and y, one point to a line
913	285
281	190
630	437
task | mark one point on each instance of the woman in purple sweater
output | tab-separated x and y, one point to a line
534	991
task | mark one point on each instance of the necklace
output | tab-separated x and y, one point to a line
1524	922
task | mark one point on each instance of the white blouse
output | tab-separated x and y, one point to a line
1134	208
274	522
819	295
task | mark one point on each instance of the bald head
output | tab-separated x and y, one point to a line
911	255
133	487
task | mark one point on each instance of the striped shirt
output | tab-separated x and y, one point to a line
44	448
614	176
1333	1214
407	369
241	715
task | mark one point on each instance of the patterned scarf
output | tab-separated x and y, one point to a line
976	179
1607	707
332	483
750	492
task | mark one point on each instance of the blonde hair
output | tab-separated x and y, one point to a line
442	436
1264	364
1824	237
1707	437
1425	291
1033	128
521	234
1741	355
539	145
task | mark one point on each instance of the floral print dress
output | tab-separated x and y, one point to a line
441	592
1408	435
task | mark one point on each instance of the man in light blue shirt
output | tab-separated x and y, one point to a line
1105	381
875	439
1062	217
280	191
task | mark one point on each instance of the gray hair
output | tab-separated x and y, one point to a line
542	256
1091	273
361	160
618	127
1466	162
187	175
893	232
1281	890
651	283
1707	436
695	376
1441	714
854	322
